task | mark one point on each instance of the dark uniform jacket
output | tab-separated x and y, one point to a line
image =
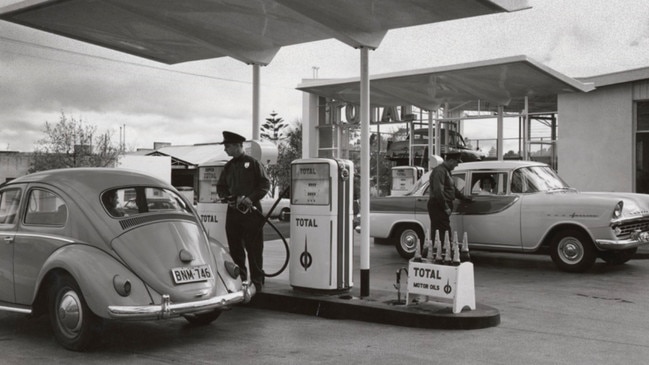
243	176
442	189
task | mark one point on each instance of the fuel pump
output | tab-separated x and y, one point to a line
211	210
321	224
404	178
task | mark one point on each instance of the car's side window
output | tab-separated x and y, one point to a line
45	208
517	182
489	183
9	202
521	182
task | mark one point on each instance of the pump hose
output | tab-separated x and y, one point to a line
267	220
231	200
281	270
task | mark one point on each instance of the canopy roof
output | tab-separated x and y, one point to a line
172	31
503	81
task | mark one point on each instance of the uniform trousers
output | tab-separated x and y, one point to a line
245	234
439	220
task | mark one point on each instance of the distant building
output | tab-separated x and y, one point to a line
604	134
14	164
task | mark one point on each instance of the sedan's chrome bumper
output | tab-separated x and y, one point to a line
167	309
636	239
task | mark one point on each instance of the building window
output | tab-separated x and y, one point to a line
642	148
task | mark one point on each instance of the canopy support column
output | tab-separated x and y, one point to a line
431	141
256	102
526	131
499	142
365	173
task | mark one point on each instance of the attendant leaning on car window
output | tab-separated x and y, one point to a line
442	194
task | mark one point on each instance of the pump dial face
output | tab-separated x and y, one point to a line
311	184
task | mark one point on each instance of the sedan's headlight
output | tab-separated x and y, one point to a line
617	212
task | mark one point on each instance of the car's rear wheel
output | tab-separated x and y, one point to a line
284	214
573	251
75	326
406	237
618	257
202	319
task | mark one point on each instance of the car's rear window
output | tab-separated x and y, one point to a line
131	201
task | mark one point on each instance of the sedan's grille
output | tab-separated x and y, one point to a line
135	221
630	227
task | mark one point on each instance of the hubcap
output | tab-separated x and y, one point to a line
408	240
570	249
69	313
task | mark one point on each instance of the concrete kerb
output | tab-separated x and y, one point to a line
380	307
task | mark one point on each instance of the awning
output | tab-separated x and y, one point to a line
483	85
172	31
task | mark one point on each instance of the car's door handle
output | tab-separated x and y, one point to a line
422	199
9	239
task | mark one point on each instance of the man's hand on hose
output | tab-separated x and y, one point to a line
245	201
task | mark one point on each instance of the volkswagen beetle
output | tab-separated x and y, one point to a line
527	208
71	249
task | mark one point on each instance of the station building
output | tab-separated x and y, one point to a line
604	134
600	124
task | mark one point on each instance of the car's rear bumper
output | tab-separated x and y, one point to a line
167	309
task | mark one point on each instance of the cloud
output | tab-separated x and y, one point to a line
42	75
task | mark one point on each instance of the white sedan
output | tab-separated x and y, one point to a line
530	209
282	210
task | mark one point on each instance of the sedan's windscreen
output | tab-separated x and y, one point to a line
130	201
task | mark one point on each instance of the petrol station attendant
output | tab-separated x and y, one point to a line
442	193
244	179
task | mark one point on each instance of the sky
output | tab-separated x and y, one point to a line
43	75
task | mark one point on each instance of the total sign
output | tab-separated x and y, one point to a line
443	282
321	224
433	280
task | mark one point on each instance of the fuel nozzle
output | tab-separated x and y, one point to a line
236	202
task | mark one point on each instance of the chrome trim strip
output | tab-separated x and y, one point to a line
167	309
48	236
16	310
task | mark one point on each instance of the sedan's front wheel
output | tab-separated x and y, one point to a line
73	323
573	251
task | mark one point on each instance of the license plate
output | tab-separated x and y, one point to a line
191	274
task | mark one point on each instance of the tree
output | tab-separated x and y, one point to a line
73	143
511	154
288	151
273	128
